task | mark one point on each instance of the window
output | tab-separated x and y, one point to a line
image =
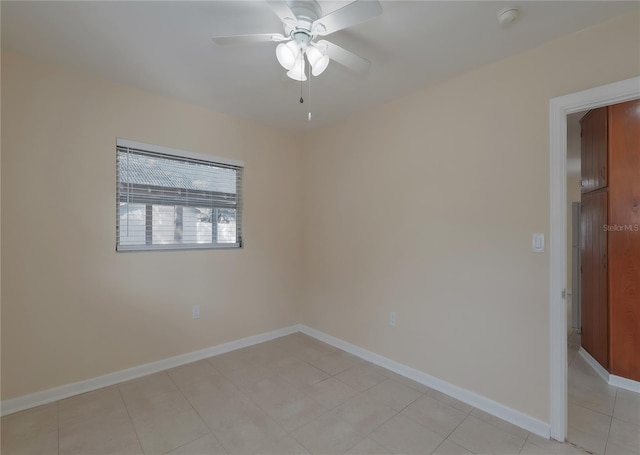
169	199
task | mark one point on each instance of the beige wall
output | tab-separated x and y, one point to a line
425	206
73	308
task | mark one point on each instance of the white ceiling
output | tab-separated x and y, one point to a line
165	47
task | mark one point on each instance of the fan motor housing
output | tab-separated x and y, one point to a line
306	11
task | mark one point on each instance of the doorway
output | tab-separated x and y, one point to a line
559	108
601	417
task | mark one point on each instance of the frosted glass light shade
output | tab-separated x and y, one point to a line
287	53
297	73
317	60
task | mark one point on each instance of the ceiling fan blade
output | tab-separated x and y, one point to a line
344	57
283	11
354	13
255	38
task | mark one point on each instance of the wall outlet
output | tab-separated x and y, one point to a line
392	318
195	312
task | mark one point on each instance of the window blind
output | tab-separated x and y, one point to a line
168	199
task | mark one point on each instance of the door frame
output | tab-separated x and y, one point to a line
559	108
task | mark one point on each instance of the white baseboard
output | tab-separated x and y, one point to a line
57	393
593	363
624	383
513	416
611	379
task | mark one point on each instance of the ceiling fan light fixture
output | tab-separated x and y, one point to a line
297	73
287	54
317	60
303	21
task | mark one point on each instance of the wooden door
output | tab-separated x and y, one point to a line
594	162
594	293
624	239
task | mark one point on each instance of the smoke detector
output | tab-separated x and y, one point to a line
508	15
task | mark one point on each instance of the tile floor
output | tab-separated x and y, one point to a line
603	419
292	395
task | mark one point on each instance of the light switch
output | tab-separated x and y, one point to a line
537	243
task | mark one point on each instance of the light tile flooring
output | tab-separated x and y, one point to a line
603	419
292	395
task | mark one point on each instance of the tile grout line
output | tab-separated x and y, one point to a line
546	449
606	442
452	431
289	433
395	380
425	426
579	446
592	410
498	426
358	362
420	396
610	417
130	419
330	377
196	411
454	443
566	442
246	395
396	412
442	442
531	442
300	442
366	435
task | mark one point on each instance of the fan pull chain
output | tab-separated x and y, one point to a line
301	71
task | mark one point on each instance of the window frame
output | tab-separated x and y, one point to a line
172	153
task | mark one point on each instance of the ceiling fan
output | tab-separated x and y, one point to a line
303	23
